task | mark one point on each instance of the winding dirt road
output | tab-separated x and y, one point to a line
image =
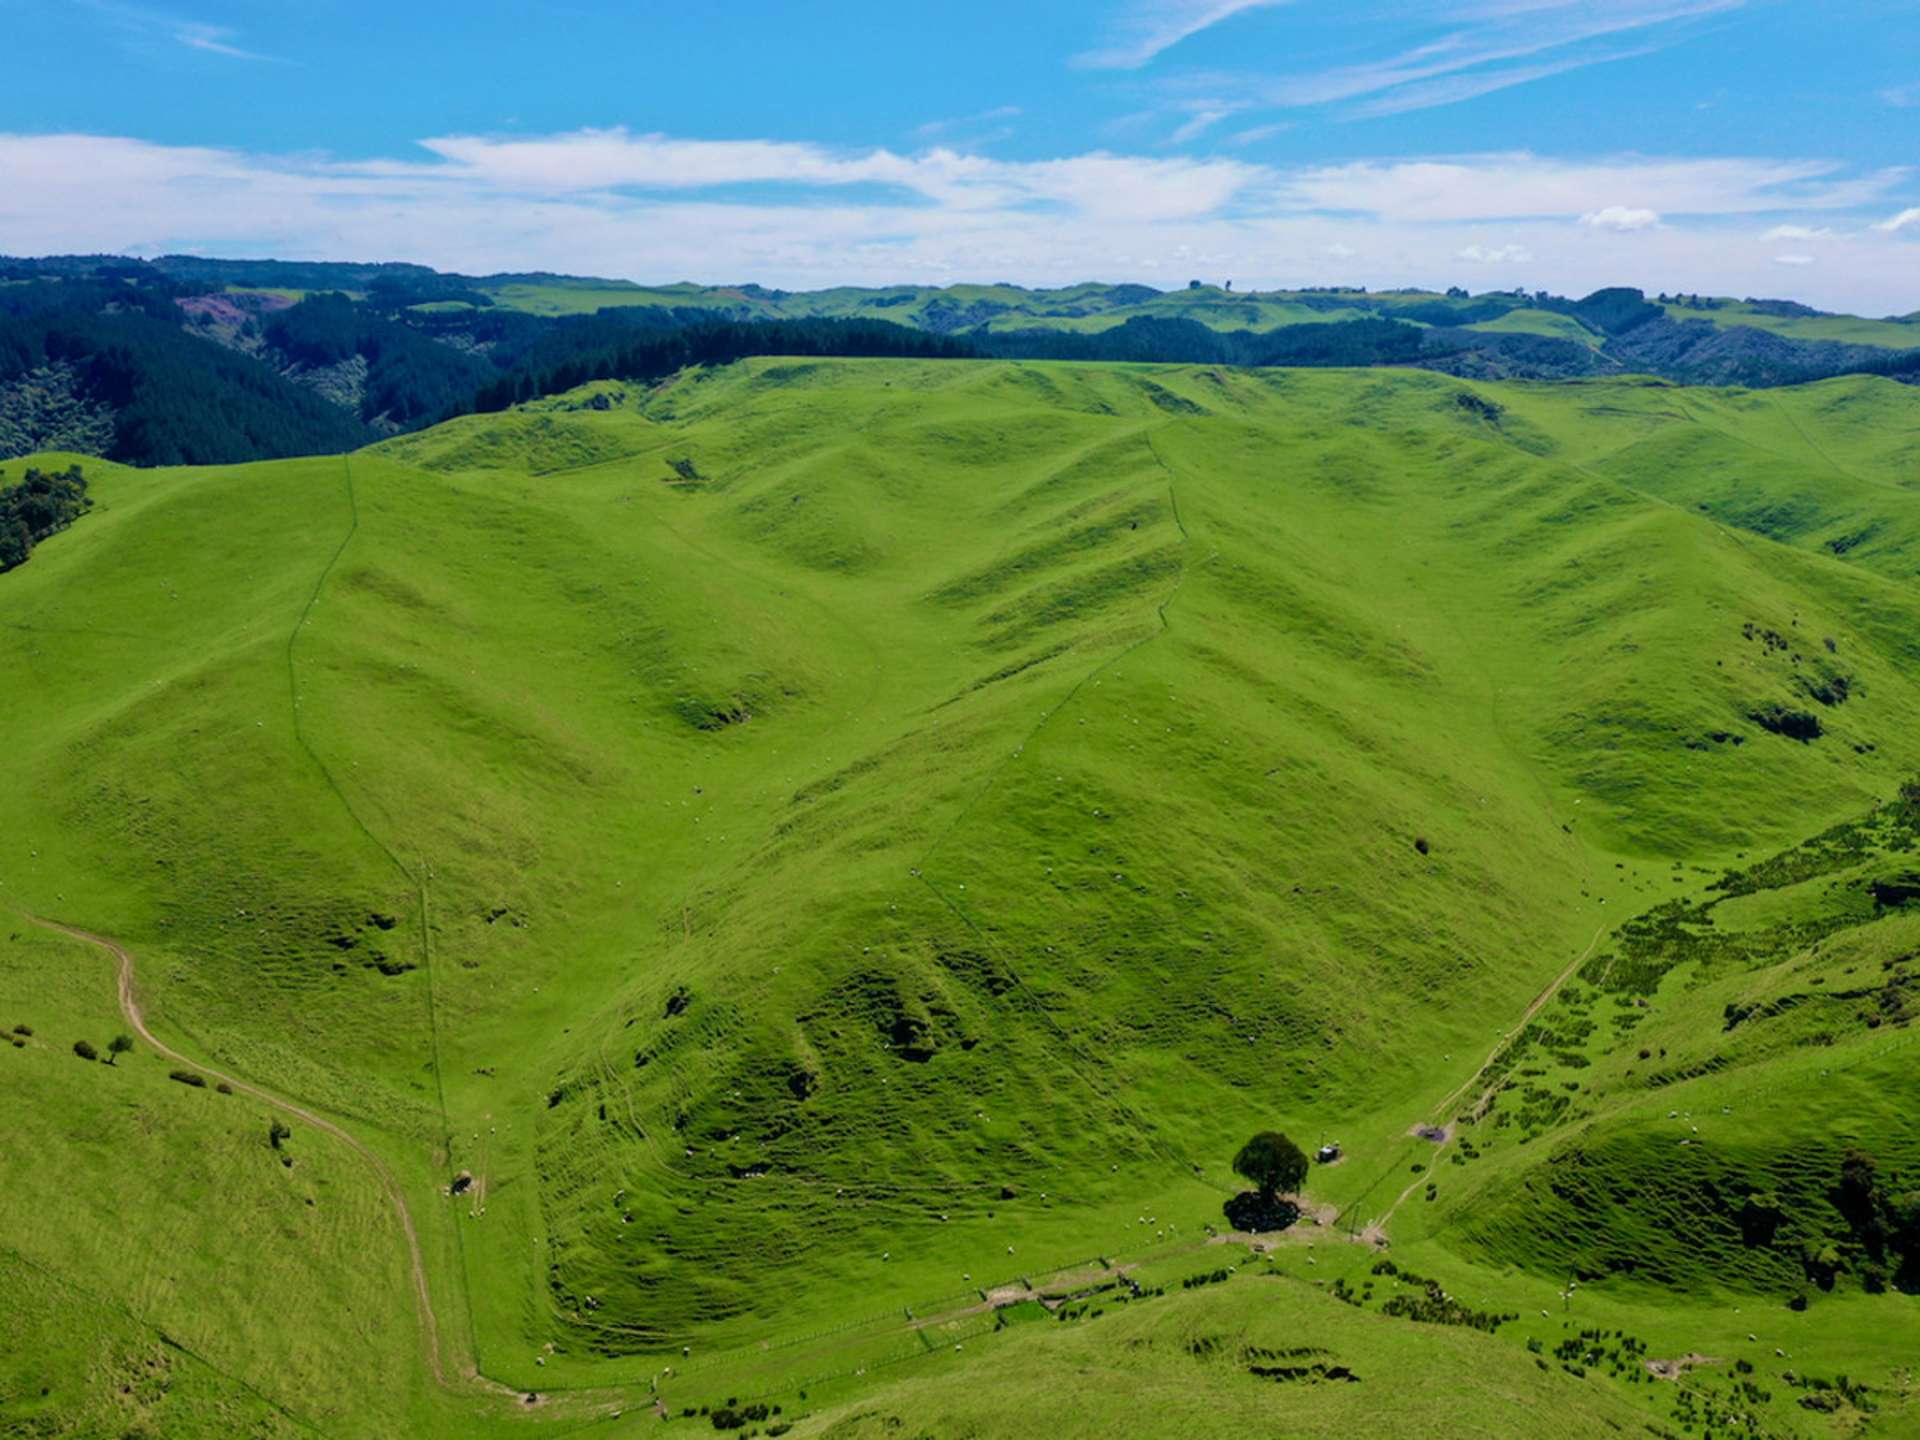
130	1007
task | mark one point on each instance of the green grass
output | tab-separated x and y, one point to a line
1528	321
582	297
1848	329
818	840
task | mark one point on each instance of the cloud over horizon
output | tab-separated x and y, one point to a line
794	213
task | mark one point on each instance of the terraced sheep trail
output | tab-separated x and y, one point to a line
130	1007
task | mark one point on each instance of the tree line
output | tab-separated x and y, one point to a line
411	378
656	355
176	399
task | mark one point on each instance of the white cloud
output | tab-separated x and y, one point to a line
1621	218
1495	255
594	161
799	215
606	159
1480	187
1797	232
1902	97
1793	260
1151	26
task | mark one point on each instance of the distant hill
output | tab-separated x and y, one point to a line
388	348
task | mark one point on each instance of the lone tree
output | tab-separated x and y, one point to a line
118	1046
1272	1162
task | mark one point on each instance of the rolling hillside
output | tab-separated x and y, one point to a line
186	360
771	876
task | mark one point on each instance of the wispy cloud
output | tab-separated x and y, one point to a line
1253	135
219	40
1901	221
1902	97
1149	27
1490	47
1197	125
995	119
1452	89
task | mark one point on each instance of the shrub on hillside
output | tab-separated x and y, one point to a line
85	1050
37	507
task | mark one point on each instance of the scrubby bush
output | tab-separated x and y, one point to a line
37	507
85	1050
187	1077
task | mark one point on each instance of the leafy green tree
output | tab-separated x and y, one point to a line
118	1046
1272	1162
37	507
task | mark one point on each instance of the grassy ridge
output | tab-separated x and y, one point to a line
817	838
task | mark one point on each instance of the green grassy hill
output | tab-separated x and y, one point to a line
788	868
1798	322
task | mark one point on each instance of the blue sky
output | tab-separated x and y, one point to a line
1731	146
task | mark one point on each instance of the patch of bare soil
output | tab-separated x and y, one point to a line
1676	1369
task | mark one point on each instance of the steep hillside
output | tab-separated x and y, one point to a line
105	368
787	865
